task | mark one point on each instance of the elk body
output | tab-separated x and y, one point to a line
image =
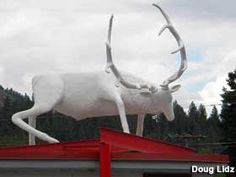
101	93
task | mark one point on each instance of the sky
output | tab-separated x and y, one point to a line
58	36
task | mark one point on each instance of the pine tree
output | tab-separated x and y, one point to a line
215	117
193	121
228	114
5	126
202	119
214	131
179	124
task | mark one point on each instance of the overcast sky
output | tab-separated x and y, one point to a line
42	36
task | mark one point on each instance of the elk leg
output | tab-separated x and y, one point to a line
17	119
123	118
140	124
32	123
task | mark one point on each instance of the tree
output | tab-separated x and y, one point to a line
179	124
202	119
228	114
193	115
152	126
214	131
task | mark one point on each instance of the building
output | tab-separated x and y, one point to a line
113	154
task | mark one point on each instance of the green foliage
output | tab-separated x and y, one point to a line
202	119
228	115
180	124
13	140
214	129
228	112
193	120
13	102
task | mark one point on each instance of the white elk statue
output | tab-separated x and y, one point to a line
101	93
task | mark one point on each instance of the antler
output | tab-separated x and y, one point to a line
112	67
181	49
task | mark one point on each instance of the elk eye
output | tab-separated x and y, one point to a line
146	94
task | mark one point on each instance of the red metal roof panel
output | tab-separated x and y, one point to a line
123	146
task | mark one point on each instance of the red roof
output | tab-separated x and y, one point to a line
120	146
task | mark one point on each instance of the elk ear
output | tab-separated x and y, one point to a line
175	88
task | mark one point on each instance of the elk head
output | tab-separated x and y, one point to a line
162	95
